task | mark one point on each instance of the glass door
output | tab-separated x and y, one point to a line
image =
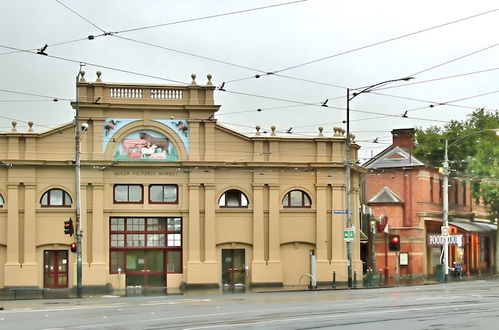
233	268
145	268
55	269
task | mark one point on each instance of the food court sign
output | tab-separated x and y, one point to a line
438	239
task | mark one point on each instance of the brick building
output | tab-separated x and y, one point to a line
406	195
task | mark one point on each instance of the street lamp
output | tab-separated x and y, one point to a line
348	165
444	230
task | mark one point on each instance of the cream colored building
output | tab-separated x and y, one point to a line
169	197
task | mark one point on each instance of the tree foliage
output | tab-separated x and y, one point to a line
473	152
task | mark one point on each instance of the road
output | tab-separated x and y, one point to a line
472	304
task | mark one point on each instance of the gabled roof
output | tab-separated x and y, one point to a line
385	195
393	157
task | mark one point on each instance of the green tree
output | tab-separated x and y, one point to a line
473	152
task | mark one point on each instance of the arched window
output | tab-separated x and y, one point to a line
56	198
1	201
296	198
233	198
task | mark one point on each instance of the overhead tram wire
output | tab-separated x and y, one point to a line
276	72
389	40
211	16
240	93
186	53
85	19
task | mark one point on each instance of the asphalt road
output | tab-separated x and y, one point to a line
457	305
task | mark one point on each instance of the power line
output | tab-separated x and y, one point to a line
388	40
210	16
86	20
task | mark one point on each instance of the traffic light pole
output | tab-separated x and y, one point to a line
79	232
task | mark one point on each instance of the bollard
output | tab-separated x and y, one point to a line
334	279
380	277
355	279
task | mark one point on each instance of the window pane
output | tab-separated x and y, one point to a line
135	240
233	198
135	193
296	198
121	193
156	240
117	240
244	200
174	240
156	224
174	261
117	224
155	260
56	197
170	193
222	200
306	200
67	199
44	200
117	261
285	201
174	224
1	200
156	193
135	224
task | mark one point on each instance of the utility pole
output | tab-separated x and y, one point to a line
347	169
445	211
79	231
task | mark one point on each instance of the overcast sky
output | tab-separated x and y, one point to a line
315	50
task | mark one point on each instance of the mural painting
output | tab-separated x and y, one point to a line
145	145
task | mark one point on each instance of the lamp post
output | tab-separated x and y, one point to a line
372	221
444	231
348	165
79	231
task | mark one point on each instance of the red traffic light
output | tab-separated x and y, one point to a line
73	247
394	243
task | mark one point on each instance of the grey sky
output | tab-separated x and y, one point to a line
266	40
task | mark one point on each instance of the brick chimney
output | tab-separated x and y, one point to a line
404	138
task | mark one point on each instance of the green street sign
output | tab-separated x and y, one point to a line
348	235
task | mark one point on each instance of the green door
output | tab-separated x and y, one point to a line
233	268
145	268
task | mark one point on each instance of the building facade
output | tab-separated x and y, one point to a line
406	198
171	198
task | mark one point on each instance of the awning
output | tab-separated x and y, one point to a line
477	227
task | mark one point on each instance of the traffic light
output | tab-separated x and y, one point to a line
68	227
394	242
73	247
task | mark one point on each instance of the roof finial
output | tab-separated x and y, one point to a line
320	131
30	124
14	124
82	76
209	79
273	130
98	73
257	127
193	76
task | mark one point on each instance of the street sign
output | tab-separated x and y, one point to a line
445	231
340	211
348	235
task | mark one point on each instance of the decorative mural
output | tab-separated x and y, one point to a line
145	145
180	126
